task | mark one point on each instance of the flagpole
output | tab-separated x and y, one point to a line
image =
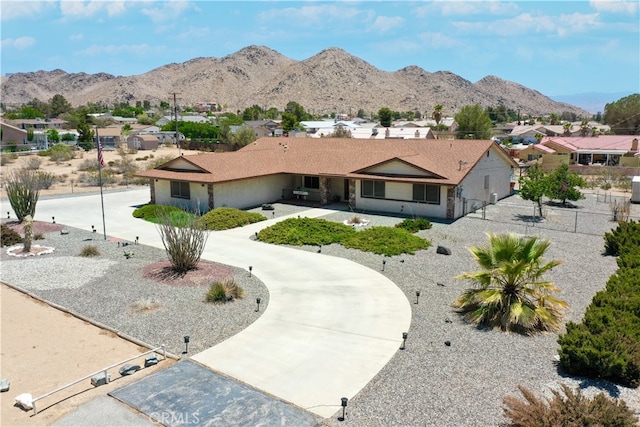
100	164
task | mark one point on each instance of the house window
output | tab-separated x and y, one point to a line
180	190
312	182
426	193
373	189
486	182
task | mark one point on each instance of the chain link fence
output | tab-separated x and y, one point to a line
592	215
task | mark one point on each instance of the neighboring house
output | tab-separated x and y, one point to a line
193	119
605	150
39	124
420	177
110	136
143	142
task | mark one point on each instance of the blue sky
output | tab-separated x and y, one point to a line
555	47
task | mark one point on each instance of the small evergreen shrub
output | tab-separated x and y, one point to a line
627	233
387	241
227	218
567	408
153	213
89	251
305	231
415	225
38	236
224	290
9	236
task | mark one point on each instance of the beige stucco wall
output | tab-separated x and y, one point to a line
397	168
251	192
402	195
499	172
184	165
198	192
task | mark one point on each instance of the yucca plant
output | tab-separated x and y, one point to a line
510	293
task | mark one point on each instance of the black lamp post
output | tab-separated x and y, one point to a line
53	219
186	344
137	239
404	340
250	268
93	229
417	296
343	402
257	304
8	214
384	262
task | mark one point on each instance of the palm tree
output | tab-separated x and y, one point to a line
567	128
510	293
437	114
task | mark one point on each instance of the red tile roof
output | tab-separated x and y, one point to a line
338	157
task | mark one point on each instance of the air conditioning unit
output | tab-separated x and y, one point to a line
494	198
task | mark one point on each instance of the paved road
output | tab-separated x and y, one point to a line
330	326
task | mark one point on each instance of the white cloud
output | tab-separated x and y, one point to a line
20	43
76	37
120	50
436	40
629	7
384	24
166	10
316	15
10	10
461	8
89	8
194	33
526	23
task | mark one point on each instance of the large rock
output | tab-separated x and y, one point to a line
442	250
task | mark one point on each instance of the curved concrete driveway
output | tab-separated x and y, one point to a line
330	326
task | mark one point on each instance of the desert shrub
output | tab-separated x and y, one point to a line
7	157
9	236
33	163
184	239
605	186
627	233
415	225
224	290
89	251
567	408
58	153
226	218
305	231
388	241
23	191
45	179
89	165
38	236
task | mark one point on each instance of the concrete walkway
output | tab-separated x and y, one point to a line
330	326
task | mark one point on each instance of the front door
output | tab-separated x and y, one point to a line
346	191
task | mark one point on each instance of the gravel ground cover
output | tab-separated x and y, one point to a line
426	384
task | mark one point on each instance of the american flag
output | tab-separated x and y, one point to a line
100	157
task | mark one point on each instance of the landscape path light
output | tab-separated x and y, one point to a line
257	304
417	296
404	340
343	403
186	344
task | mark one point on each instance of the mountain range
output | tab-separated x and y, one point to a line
330	81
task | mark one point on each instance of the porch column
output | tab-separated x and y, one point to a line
152	190
451	203
325	190
210	194
352	193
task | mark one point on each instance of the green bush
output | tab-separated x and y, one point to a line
227	218
607	343
152	213
89	251
305	231
387	241
224	290
9	236
415	225
58	153
45	179
567	408
627	233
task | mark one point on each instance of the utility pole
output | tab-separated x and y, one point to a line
175	108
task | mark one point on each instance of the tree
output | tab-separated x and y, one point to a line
567	128
184	239
437	113
561	185
473	123
533	185
243	136
59	105
289	121
510	293
385	114
623	116
340	132
23	191
297	110
52	135
584	128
